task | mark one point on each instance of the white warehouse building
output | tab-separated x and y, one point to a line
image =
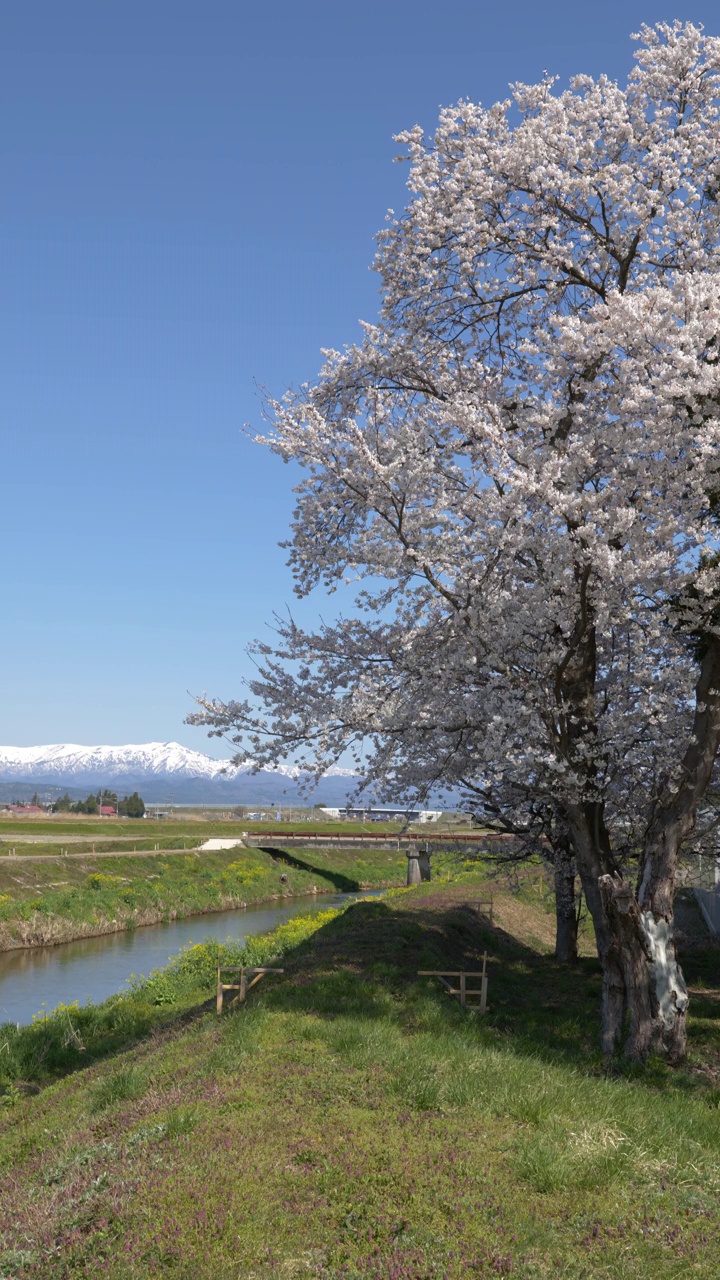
384	813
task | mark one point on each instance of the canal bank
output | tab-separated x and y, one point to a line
353	1121
59	900
38	979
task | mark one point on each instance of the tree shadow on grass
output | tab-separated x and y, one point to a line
367	960
343	883
372	953
363	966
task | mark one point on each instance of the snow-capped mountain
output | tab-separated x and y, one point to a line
162	772
70	760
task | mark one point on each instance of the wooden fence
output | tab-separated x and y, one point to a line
462	992
243	986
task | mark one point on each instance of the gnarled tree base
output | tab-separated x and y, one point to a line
643	987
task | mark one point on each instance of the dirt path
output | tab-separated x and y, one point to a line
50	838
88	853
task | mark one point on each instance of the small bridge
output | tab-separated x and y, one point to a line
418	847
389	839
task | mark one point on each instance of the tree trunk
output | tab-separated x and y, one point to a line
672	821
594	863
644	999
593	858
643	986
565	913
654	990
644	991
583	820
566	907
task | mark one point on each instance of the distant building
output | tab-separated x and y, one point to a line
384	813
107	811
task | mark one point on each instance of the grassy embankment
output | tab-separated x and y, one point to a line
60	899
25	847
59	827
353	1122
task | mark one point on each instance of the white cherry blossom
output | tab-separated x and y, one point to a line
519	465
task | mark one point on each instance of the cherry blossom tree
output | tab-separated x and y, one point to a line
519	466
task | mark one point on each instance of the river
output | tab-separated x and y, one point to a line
36	979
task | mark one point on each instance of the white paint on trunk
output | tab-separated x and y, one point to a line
670	989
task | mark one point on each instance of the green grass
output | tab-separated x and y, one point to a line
198	828
55	832
65	1039
105	828
352	1121
125	1084
76	845
55	901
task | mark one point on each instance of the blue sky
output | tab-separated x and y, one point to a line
189	198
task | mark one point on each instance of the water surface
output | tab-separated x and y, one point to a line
37	978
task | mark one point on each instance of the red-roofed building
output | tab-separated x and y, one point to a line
107	811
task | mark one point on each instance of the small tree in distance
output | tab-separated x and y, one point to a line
132	806
521	464
90	805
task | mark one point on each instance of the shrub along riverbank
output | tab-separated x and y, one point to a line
353	1122
57	900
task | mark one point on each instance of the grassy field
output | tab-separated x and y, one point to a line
59	899
352	1121
56	828
24	846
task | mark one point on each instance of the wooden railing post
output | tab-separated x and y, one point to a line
243	986
462	991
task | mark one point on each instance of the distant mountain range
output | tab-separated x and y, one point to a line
163	773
